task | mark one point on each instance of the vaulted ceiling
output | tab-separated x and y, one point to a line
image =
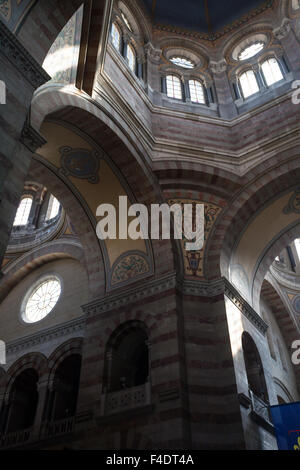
205	16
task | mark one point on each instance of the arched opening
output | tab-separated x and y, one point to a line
126	377
23	401
281	401
254	368
63	399
130	361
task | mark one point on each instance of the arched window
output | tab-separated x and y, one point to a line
248	83
128	363
116	36
23	401
271	71
62	401
131	57
174	89
53	208
196	92
254	368
23	212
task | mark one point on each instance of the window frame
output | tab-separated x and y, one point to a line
24	197
262	62
181	87
244	72
118	29
204	91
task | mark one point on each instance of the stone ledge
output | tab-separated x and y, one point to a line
13	50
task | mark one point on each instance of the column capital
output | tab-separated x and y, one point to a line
218	67
153	53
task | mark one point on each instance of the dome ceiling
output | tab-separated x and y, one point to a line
205	16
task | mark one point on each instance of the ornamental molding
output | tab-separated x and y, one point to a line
283	30
70	327
31	139
246	309
186	287
153	53
219	287
201	288
218	67
115	301
13	50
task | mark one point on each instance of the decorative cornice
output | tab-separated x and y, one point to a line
187	287
244	307
11	47
45	336
201	288
31	139
129	296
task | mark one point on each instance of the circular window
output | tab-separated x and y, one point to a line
182	62
251	51
41	300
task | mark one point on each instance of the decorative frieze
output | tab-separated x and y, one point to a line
235	297
71	327
130	296
21	59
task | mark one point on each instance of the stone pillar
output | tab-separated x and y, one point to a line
21	76
42	390
227	108
153	59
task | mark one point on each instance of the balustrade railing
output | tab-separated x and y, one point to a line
17	438
128	398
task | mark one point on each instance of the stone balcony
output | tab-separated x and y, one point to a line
127	399
31	435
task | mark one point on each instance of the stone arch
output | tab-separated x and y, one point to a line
130	340
254	368
118	142
33	34
283	317
36	361
282	391
262	186
70	347
25	264
93	257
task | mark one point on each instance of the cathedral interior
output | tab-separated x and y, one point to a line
140	343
